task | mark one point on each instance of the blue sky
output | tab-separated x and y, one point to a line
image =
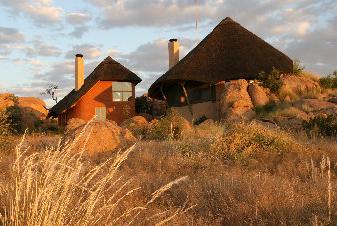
38	39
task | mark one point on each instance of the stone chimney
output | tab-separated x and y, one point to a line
173	47
79	71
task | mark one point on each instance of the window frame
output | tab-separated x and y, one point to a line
122	92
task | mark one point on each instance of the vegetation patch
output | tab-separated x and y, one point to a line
242	141
297	67
324	125
271	81
329	82
171	126
266	110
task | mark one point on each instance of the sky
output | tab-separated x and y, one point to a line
39	38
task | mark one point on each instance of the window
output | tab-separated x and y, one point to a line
202	93
100	113
121	91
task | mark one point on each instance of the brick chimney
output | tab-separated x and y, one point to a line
173	47
79	71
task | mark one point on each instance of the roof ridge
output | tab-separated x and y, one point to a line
226	21
109	59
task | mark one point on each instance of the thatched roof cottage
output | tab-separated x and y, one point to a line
229	52
107	93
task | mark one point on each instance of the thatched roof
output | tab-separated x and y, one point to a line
229	52
107	70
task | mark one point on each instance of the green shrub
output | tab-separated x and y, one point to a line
272	81
168	127
297	67
266	109
325	125
15	119
5	131
5	124
11	119
330	81
243	141
143	105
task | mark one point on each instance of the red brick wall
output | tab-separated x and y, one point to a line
100	95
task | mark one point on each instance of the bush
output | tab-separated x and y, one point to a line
266	109
15	119
330	81
143	105
170	126
297	67
10	121
325	125
272	81
244	141
5	125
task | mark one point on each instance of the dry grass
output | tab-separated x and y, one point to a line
311	75
243	174
60	187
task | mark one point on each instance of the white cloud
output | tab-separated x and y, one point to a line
10	40
10	35
153	56
40	48
42	12
303	28
78	18
146	12
79	31
88	50
295	28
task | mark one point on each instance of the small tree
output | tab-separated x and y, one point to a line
143	104
11	118
324	125
272	81
297	67
329	81
51	91
5	124
15	119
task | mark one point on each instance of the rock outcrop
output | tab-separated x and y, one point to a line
258	94
235	102
316	106
31	109
28	105
97	137
138	125
298	86
135	121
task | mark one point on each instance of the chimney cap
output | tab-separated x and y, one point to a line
173	40
79	55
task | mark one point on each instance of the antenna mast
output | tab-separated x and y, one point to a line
196	19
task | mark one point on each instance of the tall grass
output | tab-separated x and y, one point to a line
60	187
242	174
